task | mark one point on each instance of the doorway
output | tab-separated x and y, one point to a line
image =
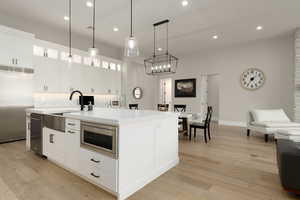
213	87
165	92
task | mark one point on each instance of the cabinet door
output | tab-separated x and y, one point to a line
71	77
72	144
6	49
53	145
48	144
47	75
23	52
58	153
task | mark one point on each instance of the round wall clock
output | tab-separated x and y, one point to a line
252	79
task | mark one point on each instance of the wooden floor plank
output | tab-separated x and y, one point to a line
230	167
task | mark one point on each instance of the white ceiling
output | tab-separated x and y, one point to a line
191	27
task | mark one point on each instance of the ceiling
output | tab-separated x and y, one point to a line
191	28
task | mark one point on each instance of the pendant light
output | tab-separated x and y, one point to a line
131	43
160	64
70	57
94	51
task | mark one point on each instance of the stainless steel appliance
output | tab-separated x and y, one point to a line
100	137
12	123
36	133
16	86
55	121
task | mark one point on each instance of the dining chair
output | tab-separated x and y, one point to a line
179	108
196	124
163	107
182	122
133	106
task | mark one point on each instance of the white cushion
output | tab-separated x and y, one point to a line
276	124
277	115
289	132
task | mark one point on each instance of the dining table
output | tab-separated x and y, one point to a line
187	118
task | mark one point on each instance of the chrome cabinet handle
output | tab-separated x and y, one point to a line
72	132
51	138
71	124
92	174
95	161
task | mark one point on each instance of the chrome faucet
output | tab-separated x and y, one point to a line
81	97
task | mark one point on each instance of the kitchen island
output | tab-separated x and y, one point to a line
118	150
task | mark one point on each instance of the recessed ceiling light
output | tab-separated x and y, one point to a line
184	3
215	37
89	4
159	49
116	29
259	28
66	18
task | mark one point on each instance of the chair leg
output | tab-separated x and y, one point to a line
209	132
248	132
190	134
205	137
195	130
266	138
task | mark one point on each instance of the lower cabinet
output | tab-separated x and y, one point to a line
72	144
98	168
64	149
53	145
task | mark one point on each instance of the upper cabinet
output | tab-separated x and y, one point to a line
16	48
54	74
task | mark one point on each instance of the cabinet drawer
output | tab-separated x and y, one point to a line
72	131
98	168
73	124
97	160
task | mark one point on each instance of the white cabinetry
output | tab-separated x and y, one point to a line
16	48
53	145
64	149
72	144
55	75
98	168
47	76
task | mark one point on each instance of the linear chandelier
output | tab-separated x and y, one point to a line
160	64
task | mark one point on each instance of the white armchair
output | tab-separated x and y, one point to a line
268	122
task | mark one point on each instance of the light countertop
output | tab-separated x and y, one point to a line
106	115
117	116
52	110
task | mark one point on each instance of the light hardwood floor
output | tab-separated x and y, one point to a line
230	167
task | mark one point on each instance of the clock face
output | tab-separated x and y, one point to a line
252	79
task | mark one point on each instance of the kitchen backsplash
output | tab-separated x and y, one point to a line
62	100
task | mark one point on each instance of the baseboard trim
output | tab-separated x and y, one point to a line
232	123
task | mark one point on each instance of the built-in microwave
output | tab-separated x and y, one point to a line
100	137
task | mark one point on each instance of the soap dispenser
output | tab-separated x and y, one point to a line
90	106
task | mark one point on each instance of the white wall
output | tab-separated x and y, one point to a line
59	36
134	76
213	94
273	56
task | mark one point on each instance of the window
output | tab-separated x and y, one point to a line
77	59
51	53
38	51
96	62
119	67
112	66
64	56
105	65
87	61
